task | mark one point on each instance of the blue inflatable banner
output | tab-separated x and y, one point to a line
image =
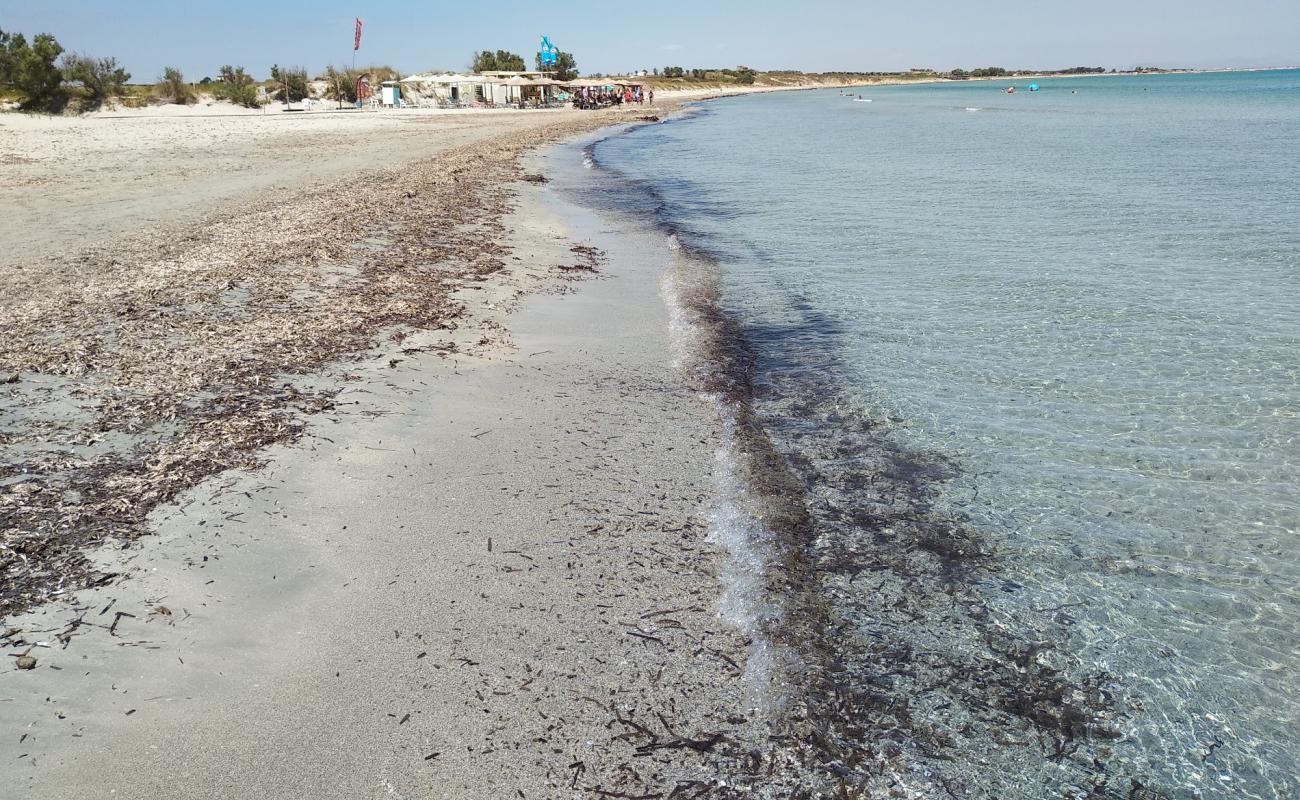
550	53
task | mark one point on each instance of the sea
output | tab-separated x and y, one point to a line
1011	391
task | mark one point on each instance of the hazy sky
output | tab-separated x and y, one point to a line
814	35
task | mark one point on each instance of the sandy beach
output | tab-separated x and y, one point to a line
408	502
414	402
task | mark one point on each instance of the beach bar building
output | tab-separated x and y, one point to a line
493	89
508	88
446	89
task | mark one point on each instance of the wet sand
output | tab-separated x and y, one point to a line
480	571
490	561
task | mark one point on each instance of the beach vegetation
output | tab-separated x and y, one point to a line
234	85
565	67
172	88
6	58
233	76
290	83
380	74
500	61
339	85
341	82
99	78
32	68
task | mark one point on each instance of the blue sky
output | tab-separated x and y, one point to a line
814	35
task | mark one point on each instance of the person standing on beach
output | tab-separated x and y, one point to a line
652	98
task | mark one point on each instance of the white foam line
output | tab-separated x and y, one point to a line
732	524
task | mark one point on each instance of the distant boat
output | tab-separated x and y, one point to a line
861	99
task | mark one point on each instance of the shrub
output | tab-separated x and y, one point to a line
383	73
341	82
235	86
290	83
245	95
173	89
340	85
101	78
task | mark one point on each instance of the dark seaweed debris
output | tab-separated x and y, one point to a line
124	387
912	686
918	681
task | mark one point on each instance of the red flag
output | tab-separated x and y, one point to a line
356	44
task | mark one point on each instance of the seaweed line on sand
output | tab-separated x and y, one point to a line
131	372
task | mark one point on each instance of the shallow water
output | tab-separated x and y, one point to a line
1036	367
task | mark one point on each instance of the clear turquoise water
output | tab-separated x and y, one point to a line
1064	325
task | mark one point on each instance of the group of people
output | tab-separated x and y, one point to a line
590	97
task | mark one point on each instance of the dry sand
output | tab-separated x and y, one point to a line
71	181
479	572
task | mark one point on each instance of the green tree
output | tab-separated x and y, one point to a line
235	76
745	76
34	71
564	68
290	83
500	61
101	78
6	57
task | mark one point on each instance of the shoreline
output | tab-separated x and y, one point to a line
291	612
919	689
488	547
